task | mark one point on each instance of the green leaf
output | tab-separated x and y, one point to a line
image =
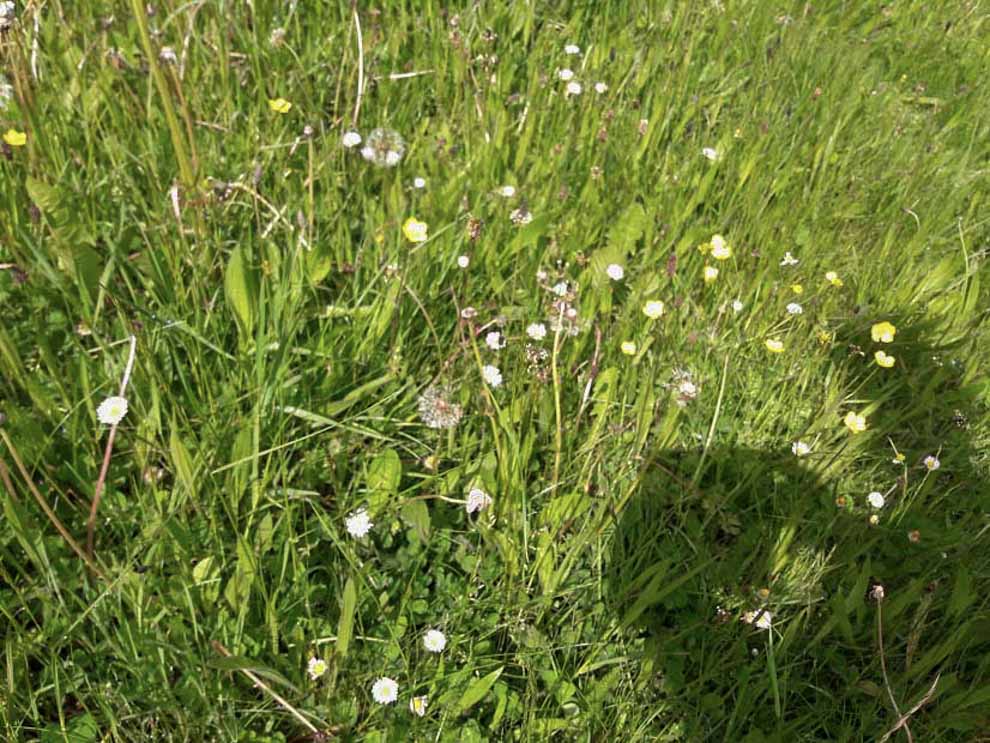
345	627
43	196
417	515
385	472
241	289
477	690
185	470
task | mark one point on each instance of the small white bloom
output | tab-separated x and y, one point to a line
521	216
385	690
601	88
789	260
572	49
800	449
469	312
477	500
392	158
417	705
353	139
316	668
875	499
463	261
560	289
358	523
763	619
507	191
368	153
653	309
494	340
711	153
491	375
419	183
737	306
574	88
112	410
794	309
932	463
435	641
687	389
537	331
565	74
615	272
167	55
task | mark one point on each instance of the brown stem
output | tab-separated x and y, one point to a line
98	491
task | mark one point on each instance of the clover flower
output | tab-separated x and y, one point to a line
491	375
573	88
615	272
876	499
537	331
494	340
351	139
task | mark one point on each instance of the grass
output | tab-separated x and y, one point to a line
643	503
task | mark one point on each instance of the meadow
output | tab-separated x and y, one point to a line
483	371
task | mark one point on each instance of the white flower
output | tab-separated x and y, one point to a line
112	410
875	499
435	641
687	389
789	260
507	191
419	183
560	289
763	619
358	523
353	139
600	88
463	261
574	88
565	74
385	690
477	500
572	49
932	463
392	158
491	375
737	306
417	705
711	153
521	216
615	271
537	331
794	309
653	309
167	55
494	340
800	449
367	153
316	668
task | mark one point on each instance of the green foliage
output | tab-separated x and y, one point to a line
286	329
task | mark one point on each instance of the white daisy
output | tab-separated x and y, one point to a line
574	88
491	375
112	410
932	463
477	500
352	139
794	309
358	524
385	690
615	272
572	49
601	88
537	331
565	74
316	668
435	641
876	499
800	449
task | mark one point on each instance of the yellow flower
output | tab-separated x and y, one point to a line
883	332
414	230
797	288
628	348
824	337
773	345
833	278
855	422
711	273
653	309
15	138
884	360
279	105
720	249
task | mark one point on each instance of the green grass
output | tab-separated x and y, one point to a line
285	329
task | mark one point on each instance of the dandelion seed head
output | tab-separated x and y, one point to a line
436	410
384	147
